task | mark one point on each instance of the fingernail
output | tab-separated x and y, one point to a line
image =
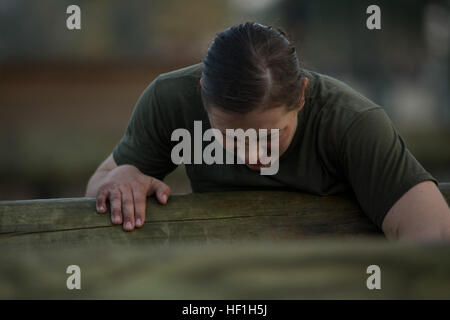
116	219
138	222
164	198
128	225
101	208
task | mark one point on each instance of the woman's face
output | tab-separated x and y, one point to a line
272	118
276	118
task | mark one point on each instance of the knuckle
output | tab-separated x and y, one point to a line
140	208
166	188
101	193
138	194
125	186
127	201
152	181
116	211
114	186
115	194
127	208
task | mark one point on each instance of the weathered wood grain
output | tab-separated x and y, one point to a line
202	217
197	217
254	270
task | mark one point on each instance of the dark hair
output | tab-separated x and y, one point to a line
250	65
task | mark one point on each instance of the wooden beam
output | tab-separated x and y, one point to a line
168	258
198	217
301	269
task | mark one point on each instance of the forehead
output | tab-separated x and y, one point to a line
272	118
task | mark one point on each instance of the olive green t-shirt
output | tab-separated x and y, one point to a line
343	143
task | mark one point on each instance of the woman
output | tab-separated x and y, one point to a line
331	139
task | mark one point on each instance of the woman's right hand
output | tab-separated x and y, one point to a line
127	189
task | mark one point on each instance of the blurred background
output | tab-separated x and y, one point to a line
66	96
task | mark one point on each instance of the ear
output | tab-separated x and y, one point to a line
303	92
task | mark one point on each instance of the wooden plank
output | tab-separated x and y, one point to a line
255	270
203	217
40	215
198	231
198	217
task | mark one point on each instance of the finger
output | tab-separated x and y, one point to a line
115	199
139	207
101	200
161	190
127	208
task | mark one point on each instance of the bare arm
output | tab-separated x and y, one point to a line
420	214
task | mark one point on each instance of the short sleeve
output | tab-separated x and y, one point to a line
377	163
146	142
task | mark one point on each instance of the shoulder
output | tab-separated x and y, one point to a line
335	105
180	89
175	95
336	109
194	70
333	95
183	81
